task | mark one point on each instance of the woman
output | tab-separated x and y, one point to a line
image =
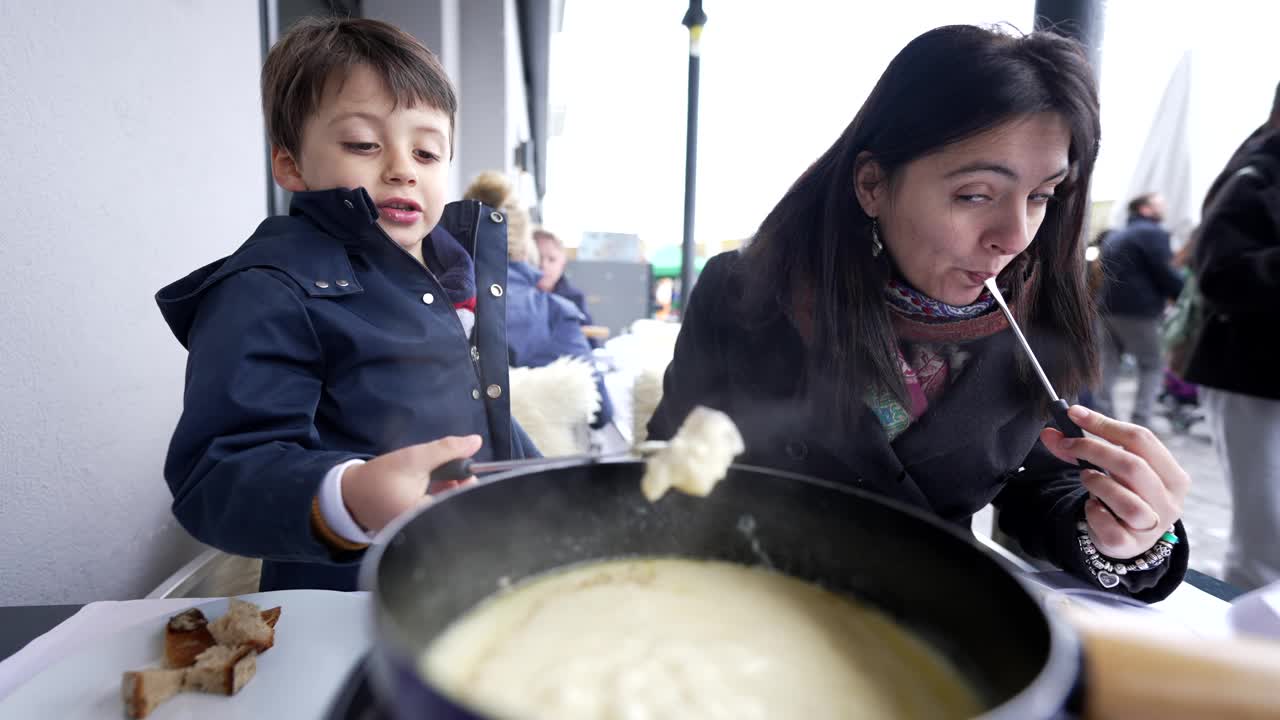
853	339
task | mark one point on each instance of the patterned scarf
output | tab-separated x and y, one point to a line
929	354
904	299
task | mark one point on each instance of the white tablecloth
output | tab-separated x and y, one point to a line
93	623
1187	609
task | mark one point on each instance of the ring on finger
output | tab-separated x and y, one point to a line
1155	522
1155	519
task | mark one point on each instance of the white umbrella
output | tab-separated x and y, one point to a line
1164	166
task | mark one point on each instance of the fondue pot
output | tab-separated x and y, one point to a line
433	566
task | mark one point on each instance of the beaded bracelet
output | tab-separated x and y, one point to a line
1108	572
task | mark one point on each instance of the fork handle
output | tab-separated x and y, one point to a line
1070	429
448	475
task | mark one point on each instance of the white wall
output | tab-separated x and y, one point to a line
484	110
131	152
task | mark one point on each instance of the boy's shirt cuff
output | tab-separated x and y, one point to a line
334	511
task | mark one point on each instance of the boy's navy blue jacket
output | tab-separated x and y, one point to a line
318	341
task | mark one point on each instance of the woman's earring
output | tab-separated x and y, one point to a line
877	247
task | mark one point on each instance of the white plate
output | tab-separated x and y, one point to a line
319	638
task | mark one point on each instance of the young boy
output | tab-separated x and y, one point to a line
337	357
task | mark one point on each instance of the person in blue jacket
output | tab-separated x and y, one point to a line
542	327
346	350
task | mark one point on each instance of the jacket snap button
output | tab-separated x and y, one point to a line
495	216
428	298
475	353
322	284
475	394
343	283
495	290
494	392
349	205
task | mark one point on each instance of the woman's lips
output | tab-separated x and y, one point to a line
978	278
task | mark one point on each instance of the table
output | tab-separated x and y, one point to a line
1212	585
20	624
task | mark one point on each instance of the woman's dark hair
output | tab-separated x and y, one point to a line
947	85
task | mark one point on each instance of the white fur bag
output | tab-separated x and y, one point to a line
554	404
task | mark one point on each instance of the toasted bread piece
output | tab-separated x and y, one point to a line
272	616
185	637
218	657
243	624
222	670
144	690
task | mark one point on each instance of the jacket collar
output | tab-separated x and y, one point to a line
523	273
340	212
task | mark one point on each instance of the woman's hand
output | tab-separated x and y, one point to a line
378	491
1144	487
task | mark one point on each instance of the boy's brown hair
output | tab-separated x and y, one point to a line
314	49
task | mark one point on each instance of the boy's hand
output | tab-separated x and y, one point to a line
383	488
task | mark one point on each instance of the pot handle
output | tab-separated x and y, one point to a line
448	474
1135	674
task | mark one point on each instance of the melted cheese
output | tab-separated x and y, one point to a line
697	457
672	638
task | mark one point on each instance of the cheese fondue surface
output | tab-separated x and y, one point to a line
644	639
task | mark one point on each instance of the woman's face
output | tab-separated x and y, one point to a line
958	216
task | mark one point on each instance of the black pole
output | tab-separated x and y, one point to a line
269	19
1080	20
694	19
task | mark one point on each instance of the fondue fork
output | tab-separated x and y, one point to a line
457	470
1058	407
